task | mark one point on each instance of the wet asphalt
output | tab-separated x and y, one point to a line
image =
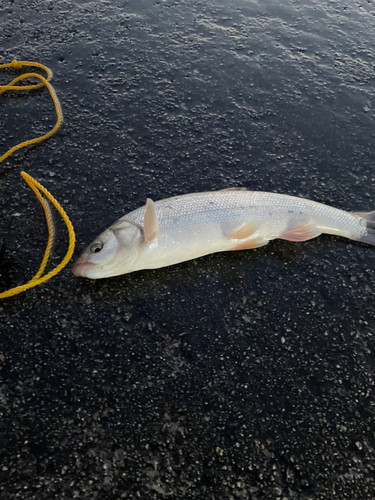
245	375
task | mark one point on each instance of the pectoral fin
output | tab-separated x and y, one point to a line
150	222
302	232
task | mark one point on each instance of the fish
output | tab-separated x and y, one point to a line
188	226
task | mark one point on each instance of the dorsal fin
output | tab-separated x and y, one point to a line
150	222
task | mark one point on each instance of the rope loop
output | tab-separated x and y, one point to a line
45	82
37	279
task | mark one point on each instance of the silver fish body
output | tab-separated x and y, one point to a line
189	226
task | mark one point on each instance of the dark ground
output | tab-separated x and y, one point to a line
244	375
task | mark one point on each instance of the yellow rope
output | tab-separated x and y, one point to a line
34	185
12	86
50	227
36	280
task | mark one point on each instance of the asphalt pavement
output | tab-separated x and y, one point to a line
242	375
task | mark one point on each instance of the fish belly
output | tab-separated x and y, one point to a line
186	241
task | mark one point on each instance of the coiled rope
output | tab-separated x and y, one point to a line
45	82
34	185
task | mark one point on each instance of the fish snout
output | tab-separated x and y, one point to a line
80	269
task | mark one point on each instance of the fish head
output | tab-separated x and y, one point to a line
111	253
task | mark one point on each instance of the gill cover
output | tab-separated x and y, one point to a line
111	253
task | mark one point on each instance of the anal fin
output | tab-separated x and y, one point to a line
302	232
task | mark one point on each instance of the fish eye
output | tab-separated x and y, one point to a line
96	247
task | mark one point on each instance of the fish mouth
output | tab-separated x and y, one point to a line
82	269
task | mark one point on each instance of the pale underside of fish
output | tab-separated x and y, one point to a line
185	227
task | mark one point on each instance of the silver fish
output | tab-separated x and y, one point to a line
192	225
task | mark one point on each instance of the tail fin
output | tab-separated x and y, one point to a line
369	217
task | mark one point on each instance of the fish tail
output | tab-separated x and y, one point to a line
369	236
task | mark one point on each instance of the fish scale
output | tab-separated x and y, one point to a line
230	205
